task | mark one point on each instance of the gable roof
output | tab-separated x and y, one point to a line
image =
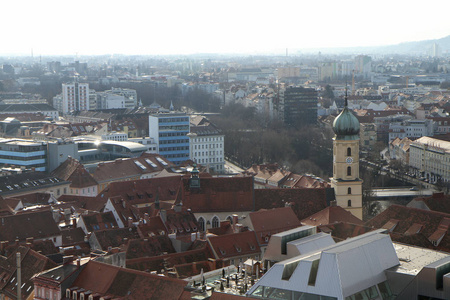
31	263
268	222
407	221
437	202
304	202
341	231
219	194
167	261
114	237
330	215
87	203
148	247
131	167
235	244
99	221
38	225
126	283
72	170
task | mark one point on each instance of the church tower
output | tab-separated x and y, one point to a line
346	182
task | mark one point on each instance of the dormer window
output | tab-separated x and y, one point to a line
238	249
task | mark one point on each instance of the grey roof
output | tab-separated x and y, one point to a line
4	108
27	181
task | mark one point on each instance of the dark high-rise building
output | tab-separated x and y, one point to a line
299	105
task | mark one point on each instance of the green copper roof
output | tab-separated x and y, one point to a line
346	126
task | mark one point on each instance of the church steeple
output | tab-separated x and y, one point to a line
346	182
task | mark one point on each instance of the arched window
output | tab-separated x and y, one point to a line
229	218
349	151
349	190
215	222
201	223
349	171
349	203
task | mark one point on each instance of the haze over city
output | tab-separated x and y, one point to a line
179	27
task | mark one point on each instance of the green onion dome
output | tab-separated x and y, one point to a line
346	125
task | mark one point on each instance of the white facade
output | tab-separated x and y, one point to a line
208	150
75	97
411	129
148	142
430	158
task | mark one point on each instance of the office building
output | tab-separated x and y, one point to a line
169	131
75	97
298	106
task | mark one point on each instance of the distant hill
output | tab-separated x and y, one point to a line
412	48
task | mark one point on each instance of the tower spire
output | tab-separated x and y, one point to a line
346	95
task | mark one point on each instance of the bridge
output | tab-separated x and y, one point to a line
403	192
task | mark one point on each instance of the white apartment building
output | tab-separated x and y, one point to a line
411	129
75	97
206	144
430	158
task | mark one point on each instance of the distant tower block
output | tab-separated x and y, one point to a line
346	182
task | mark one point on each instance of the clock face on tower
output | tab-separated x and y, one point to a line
349	160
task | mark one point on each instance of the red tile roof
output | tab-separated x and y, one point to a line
86	203
114	237
99	221
437	202
434	224
148	247
330	215
126	283
31	263
235	244
124	168
304	202
38	225
168	261
269	222
341	231
72	170
219	194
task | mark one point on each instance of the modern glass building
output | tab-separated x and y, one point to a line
169	130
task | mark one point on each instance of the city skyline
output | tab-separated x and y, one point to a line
94	28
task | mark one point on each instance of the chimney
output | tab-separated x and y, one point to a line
67	259
19	276
235	219
74	222
130	222
16	243
146	218
3	245
333	203
30	240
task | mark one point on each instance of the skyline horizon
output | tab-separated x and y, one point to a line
268	52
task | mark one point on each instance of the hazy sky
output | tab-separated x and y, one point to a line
182	27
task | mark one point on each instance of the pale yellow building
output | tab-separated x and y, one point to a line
346	182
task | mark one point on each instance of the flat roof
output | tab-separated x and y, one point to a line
413	259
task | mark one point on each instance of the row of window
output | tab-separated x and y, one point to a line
172	134
210	160
167	120
161	149
209	139
196	154
203	146
173	142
